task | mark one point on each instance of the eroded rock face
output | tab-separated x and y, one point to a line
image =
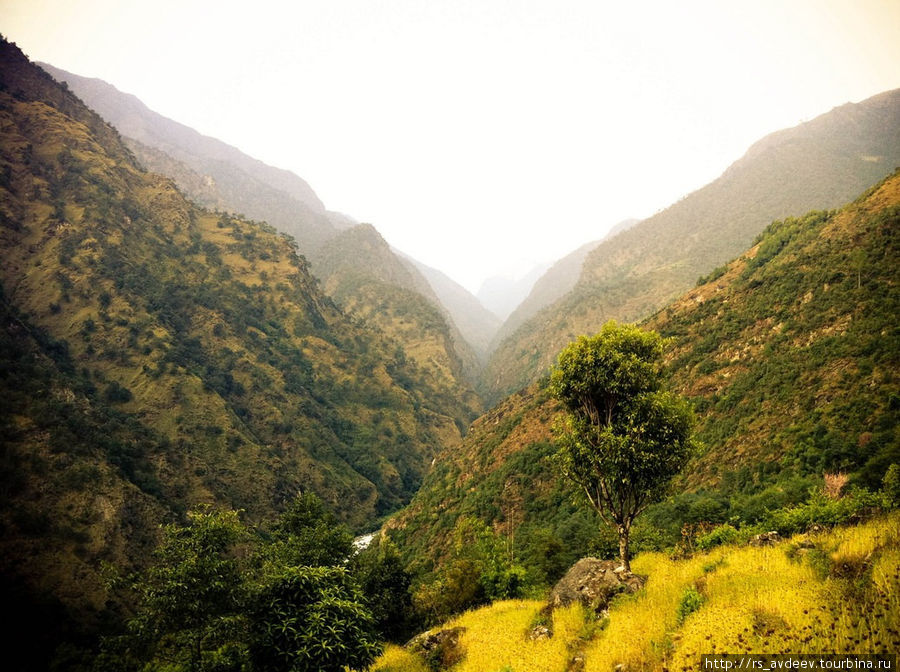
594	582
440	649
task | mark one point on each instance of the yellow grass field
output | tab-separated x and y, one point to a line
832	592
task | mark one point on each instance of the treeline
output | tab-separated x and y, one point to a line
292	595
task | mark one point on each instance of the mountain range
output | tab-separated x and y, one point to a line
160	350
790	354
822	163
157	355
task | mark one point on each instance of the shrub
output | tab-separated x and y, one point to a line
691	601
820	510
723	534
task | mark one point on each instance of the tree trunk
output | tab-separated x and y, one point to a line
624	556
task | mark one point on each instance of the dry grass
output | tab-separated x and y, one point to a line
836	592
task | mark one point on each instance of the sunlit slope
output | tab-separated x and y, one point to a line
219	176
822	163
371	282
789	355
553	285
206	329
835	592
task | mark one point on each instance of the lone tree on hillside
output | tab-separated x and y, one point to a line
623	438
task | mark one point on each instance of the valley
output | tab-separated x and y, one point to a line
205	370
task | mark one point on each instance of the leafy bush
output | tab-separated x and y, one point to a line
890	490
723	534
311	619
691	601
820	510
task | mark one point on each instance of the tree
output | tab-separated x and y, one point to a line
189	601
311	619
622	438
307	534
385	583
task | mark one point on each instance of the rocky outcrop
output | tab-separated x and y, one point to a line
440	649
594	582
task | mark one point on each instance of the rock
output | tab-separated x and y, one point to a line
540	632
766	539
441	650
594	582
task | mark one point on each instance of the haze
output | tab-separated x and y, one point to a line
480	135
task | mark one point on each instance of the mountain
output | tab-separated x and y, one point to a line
501	294
790	354
555	283
819	164
219	176
155	355
476	323
360	271
208	171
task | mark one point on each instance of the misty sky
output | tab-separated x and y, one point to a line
480	136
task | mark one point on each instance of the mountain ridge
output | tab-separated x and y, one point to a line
789	353
819	164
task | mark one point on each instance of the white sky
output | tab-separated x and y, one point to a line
480	134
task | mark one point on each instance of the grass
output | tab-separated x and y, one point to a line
833	592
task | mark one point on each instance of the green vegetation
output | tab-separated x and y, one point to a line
791	366
623	439
156	355
834	591
222	596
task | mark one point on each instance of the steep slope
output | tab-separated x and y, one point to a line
476	323
790	354
819	164
366	278
156	355
208	171
555	283
219	176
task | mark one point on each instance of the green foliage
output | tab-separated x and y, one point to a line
822	511
189	601
891	487
310	619
386	587
719	535
307	534
479	570
222	597
691	601
623	439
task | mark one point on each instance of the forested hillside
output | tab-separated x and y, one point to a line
157	355
555	283
790	355
366	278
209	171
819	164
219	176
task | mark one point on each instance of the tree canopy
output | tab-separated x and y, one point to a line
623	438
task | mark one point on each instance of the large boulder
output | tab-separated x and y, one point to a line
594	582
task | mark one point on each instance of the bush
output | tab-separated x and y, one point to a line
691	601
311	619
890	490
723	534
820	510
